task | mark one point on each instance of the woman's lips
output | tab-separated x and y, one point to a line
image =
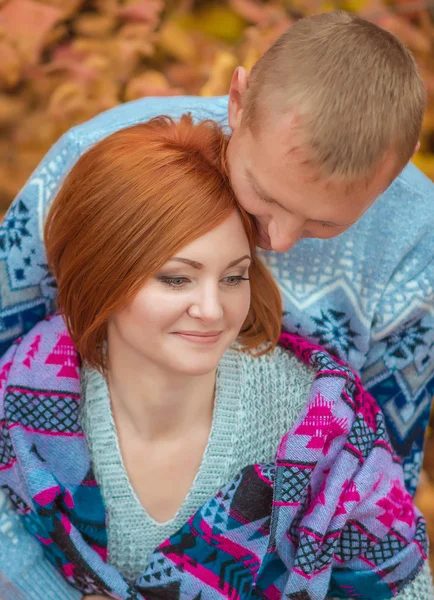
195	337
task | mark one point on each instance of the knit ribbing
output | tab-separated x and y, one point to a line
421	588
257	401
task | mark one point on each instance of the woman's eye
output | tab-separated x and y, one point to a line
174	282
234	280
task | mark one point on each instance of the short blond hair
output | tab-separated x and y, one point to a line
355	86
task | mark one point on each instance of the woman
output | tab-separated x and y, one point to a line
156	441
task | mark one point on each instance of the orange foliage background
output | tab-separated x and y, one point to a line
64	61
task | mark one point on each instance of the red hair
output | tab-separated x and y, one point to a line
128	205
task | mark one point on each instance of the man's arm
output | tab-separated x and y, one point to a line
25	573
399	369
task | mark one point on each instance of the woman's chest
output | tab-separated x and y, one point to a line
162	473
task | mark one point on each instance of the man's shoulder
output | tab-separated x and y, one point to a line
401	219
144	109
414	181
411	193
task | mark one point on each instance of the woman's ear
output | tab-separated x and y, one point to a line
237	93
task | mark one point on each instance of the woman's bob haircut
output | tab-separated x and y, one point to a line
128	205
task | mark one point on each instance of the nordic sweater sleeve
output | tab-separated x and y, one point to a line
399	369
25	573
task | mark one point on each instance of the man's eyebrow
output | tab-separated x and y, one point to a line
260	191
331	223
198	265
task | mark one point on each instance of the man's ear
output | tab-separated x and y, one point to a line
417	147
237	93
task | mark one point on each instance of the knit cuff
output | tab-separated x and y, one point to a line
43	581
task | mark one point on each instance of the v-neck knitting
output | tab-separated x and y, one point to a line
110	472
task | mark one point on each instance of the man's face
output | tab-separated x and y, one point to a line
275	183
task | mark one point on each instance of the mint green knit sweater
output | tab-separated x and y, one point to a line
257	401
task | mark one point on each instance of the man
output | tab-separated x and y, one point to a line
328	118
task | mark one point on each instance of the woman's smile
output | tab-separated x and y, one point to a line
199	337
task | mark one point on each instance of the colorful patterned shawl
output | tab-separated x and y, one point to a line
329	516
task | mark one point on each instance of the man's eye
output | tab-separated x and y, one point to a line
174	282
327	225
265	200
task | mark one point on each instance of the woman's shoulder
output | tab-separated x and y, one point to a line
275	379
271	391
280	365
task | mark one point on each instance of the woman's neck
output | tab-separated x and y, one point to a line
155	404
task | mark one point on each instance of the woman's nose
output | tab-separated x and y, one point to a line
207	306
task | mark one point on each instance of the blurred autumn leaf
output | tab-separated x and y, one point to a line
64	61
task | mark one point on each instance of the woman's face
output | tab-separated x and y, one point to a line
192	310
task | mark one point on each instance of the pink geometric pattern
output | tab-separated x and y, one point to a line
30	355
397	505
364	539
321	425
64	354
4	373
349	494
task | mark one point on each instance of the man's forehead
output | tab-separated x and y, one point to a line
285	156
291	164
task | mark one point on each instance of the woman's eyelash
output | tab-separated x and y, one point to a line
173	281
179	282
238	280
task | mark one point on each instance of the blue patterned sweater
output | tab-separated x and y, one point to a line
367	295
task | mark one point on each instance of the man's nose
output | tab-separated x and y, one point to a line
285	234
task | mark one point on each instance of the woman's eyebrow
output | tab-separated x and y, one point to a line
238	260
198	265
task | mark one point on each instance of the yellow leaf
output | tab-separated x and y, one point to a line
252	56
357	6
176	42
424	162
218	83
217	21
327	6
